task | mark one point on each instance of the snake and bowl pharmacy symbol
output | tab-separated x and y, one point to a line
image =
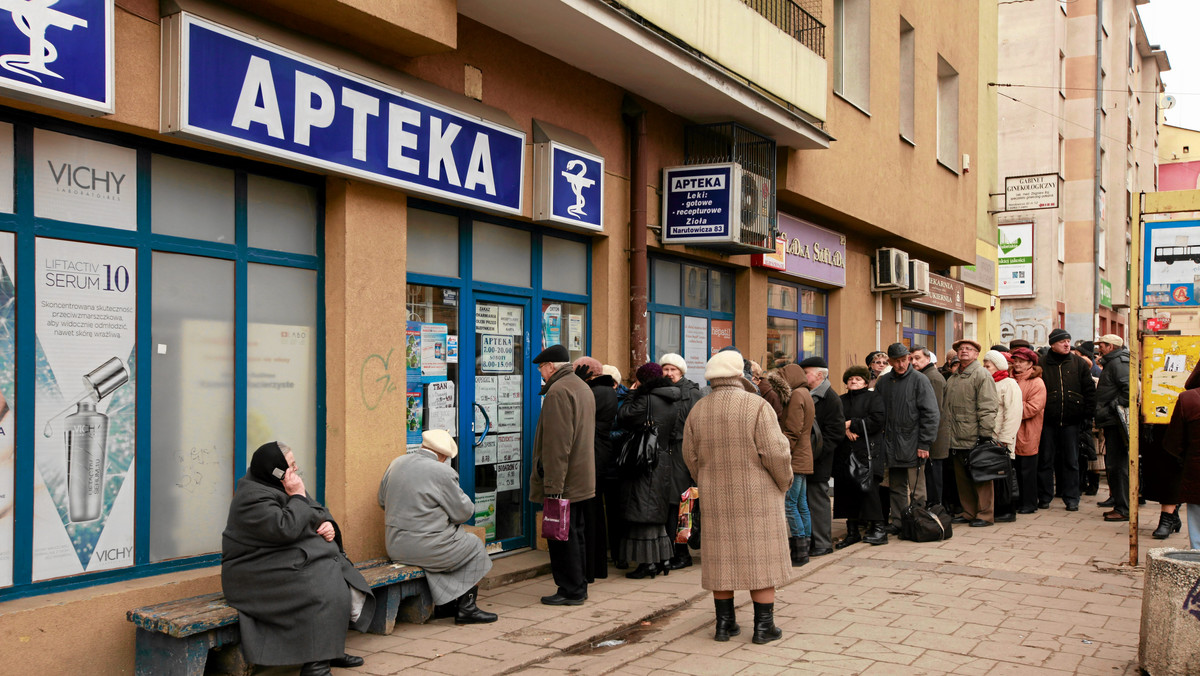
59	50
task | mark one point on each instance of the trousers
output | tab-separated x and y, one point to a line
821	511
1116	464
795	506
977	499
567	557
908	487
1059	449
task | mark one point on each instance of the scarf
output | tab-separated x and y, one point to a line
999	375
268	457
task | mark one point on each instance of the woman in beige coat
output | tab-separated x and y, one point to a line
743	467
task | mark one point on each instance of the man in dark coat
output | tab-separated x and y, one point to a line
1112	392
564	466
1070	406
910	431
283	570
829	418
605	523
922	360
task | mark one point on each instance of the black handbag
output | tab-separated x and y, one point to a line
988	461
639	452
860	472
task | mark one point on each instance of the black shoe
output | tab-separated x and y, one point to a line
980	523
1110	502
765	630
642	571
958	518
1167	524
347	661
876	534
726	622
1072	506
1006	518
820	552
1027	510
1043	504
315	669
560	600
468	612
892	529
1114	515
682	558
621	565
798	549
852	537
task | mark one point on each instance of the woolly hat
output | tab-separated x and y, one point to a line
1024	354
672	359
440	442
1019	342
856	370
610	370
593	365
997	358
647	372
1057	335
724	364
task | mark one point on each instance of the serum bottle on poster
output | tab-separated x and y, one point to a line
87	439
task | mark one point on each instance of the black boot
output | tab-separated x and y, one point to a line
798	548
852	535
1167	523
876	535
684	555
642	570
315	669
765	630
726	623
469	613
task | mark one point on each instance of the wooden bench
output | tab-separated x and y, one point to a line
176	637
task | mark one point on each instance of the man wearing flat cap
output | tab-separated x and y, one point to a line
970	403
1112	404
910	430
564	466
1070	407
827	407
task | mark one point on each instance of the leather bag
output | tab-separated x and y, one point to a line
860	471
988	461
639	452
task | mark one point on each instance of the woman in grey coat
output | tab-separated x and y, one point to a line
283	569
423	506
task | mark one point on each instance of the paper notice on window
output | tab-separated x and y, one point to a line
496	353
443	419
575	333
485	452
511	321
451	349
509	448
433	350
487	318
508	417
510	389
485	389
440	394
552	324
695	345
481	422
508	476
485	514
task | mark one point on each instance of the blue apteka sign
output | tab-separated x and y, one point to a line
243	92
58	53
698	204
577	187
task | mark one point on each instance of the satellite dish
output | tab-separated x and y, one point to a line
1168	102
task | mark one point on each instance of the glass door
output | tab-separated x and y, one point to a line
502	409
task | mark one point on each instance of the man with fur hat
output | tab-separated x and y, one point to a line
971	404
564	466
832	424
1112	404
910	431
1070	407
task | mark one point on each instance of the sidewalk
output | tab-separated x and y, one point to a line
1049	594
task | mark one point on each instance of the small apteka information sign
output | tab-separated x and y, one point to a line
698	204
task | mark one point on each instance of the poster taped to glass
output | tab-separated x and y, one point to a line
7	406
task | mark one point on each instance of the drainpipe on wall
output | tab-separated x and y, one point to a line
639	276
1098	172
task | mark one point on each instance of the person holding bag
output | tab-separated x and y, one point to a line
971	403
652	409
854	502
1008	422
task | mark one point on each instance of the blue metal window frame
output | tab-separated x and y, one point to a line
28	228
804	320
470	291
683	310
911	333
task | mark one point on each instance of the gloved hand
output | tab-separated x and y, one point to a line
583	372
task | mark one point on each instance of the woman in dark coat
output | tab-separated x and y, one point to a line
1182	444
864	426
283	569
647	495
675	369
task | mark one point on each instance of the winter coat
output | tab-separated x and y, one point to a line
970	403
865	412
1070	390
1008	412
606	414
681	478
742	464
1182	440
941	447
647	495
777	392
833	427
912	416
1033	409
564	442
422	509
1113	387
797	422
289	586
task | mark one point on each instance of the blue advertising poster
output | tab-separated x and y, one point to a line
1171	264
250	94
698	204
577	187
60	53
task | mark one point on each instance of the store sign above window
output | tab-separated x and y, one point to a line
806	251
223	86
944	294
569	186
58	54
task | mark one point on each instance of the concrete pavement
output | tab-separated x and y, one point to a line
1049	594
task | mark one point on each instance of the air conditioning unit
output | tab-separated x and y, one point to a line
722	206
918	279
756	209
891	270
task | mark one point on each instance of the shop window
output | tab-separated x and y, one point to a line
668	334
191	199
919	328
564	265
565	324
500	255
432	243
691	312
666	282
281	215
797	323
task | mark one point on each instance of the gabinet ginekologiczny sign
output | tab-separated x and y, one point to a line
229	88
1024	193
698	206
58	53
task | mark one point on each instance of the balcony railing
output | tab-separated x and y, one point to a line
795	18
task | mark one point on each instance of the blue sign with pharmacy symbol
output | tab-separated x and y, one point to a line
58	53
576	187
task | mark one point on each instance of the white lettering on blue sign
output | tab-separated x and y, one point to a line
577	187
285	105
60	51
698	204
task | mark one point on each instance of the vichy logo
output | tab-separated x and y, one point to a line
579	182
86	179
32	18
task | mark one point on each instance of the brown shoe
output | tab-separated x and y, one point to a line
1114	515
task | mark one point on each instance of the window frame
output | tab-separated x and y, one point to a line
803	319
709	314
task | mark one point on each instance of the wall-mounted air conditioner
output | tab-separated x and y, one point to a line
890	270
918	279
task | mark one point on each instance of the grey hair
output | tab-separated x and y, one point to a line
559	364
922	349
822	370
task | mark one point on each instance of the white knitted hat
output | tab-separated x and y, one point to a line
998	360
672	359
439	441
725	364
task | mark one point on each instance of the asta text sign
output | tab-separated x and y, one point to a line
235	90
58	53
698	205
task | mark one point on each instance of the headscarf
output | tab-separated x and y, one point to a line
268	457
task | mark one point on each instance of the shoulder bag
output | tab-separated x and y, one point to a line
639	452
